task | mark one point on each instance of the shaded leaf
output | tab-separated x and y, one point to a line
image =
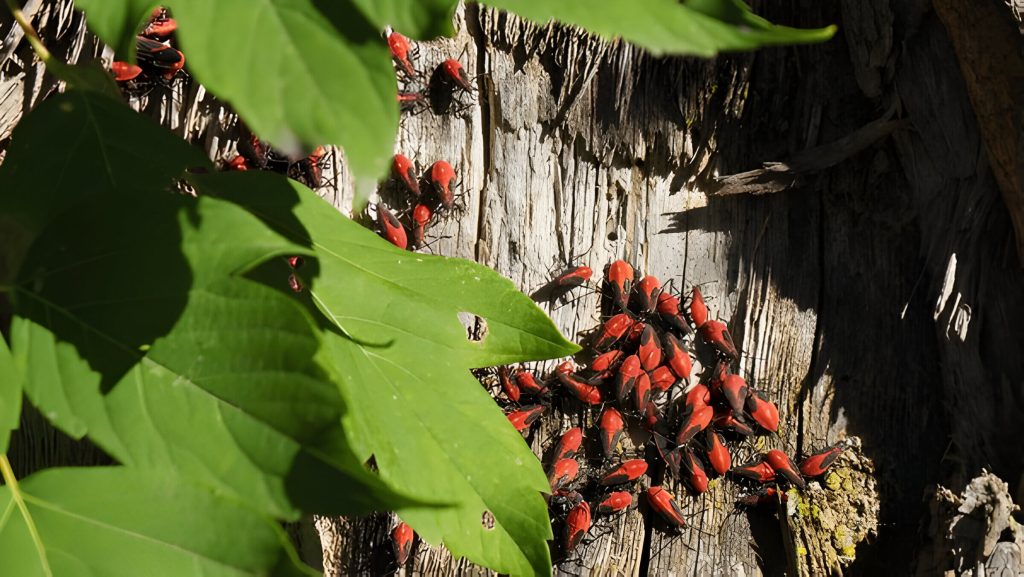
424	19
115	521
10	395
117	22
392	328
698	27
167	357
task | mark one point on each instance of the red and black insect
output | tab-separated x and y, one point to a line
411	101
160	25
650	348
763	496
401	49
441	176
581	389
758	471
619	278
718	453
309	170
295	261
577	524
603	365
626	472
421	215
528	384
563	473
615	502
294	283
569	444
646	294
238	163
612	426
696	477
668	310
455	74
764	412
123	71
782	465
642	391
662	379
698	309
735	391
818	464
405	169
508	385
612	330
158	59
672	457
574	277
716	333
526	416
694	422
731	422
676	356
391	228
664	504
698	396
401	539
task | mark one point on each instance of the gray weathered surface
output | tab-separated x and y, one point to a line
877	296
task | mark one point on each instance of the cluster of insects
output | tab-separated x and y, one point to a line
159	62
430	193
643	381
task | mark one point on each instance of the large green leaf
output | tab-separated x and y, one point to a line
391	320
10	395
117	21
423	19
115	521
167	357
698	27
74	146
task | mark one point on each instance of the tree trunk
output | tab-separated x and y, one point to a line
873	293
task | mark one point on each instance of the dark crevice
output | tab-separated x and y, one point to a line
484	100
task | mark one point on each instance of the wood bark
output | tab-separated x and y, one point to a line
876	293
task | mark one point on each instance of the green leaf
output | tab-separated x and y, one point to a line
75	146
423	19
115	521
166	356
391	325
117	22
10	395
300	72
698	27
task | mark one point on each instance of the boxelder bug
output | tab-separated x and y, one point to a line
662	379
294	283
421	215
759	471
405	170
731	422
665	505
642	391
160	25
819	463
511	389
718	453
454	73
577	524
525	416
717	334
611	425
441	176
400	50
574	277
569	443
735	391
650	348
782	465
612	330
699	396
628	471
694	422
391	227
401	539
672	457
238	164
763	496
698	310
410	101
528	384
615	502
764	413
602	365
158	58
668	310
696	477
123	71
625	378
676	356
619	276
646	294
563	473
582	390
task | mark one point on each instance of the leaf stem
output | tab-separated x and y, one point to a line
30	33
11	481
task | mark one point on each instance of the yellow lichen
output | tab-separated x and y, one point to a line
801	551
